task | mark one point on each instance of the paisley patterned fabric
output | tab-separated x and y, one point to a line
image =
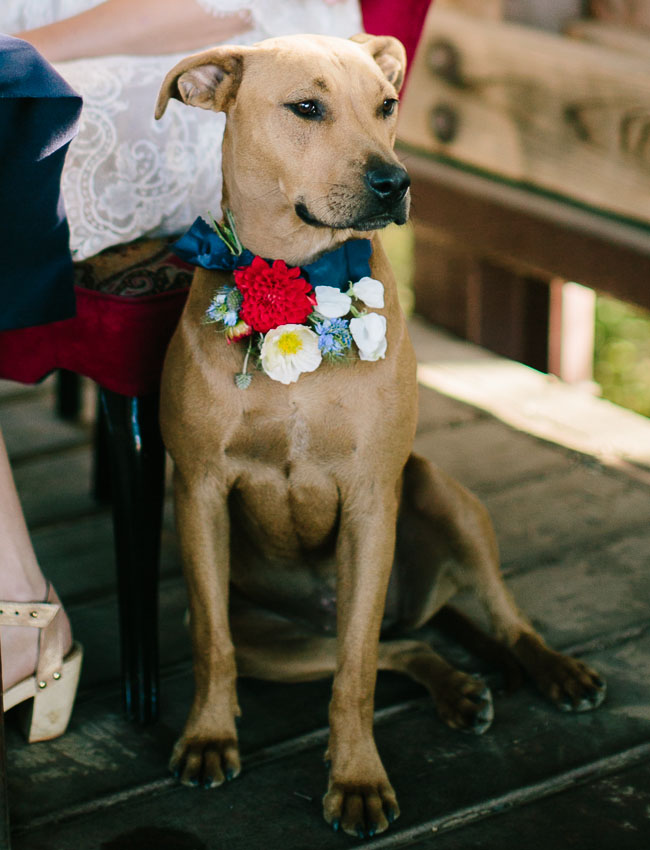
127	175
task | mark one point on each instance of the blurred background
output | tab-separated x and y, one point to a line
543	108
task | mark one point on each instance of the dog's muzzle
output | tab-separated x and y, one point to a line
383	200
388	184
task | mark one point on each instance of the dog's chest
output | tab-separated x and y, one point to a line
284	464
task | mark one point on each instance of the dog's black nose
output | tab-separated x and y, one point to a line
389	183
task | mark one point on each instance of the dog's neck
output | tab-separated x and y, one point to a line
273	230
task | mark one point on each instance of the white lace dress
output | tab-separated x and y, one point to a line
127	175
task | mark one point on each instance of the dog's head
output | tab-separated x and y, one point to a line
308	151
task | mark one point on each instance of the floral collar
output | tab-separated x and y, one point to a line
202	245
292	318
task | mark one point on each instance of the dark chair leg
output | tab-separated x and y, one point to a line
68	394
5	841
101	473
137	486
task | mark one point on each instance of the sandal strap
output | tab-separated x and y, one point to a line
43	616
38	615
51	649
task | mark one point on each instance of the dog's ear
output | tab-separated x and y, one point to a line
209	79
388	52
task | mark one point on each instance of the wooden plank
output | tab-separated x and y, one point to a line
577	599
527	232
488	456
634	13
438	778
79	559
31	427
564	512
609	814
548	14
628	39
544	110
56	487
437	411
532	402
594	594
481	8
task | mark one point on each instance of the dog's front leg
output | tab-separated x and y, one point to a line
360	798
207	752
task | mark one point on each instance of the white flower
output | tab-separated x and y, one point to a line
368	290
288	351
369	333
331	302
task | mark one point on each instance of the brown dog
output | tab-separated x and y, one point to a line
303	500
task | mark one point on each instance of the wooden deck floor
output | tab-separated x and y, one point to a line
575	541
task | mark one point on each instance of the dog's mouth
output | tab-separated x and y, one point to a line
361	222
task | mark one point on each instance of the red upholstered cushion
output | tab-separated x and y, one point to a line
118	340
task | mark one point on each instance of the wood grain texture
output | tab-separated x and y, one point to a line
548	111
631	40
634	13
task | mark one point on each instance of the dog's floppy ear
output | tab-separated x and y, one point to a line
209	79
388	52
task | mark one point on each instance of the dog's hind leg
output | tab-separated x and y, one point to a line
442	522
271	647
462	701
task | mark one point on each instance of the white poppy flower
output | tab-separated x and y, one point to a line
369	333
288	351
370	291
331	302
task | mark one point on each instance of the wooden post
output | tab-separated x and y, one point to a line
633	13
571	332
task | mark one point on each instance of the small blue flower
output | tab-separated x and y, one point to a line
334	337
214	312
329	344
224	306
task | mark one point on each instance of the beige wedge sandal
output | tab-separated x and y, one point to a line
52	688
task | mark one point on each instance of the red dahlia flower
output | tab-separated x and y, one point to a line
273	295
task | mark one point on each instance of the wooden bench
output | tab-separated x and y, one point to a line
530	158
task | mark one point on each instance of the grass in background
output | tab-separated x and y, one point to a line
398	242
622	354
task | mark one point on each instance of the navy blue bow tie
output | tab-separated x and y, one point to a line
202	246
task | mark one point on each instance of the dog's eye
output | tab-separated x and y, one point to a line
388	106
307	109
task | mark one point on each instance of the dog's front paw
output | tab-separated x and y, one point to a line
205	763
361	810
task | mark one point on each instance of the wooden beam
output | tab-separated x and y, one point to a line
632	41
481	8
538	108
531	233
571	332
635	13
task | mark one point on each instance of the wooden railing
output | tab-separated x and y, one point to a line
530	158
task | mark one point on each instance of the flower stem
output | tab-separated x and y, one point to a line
233	230
248	354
